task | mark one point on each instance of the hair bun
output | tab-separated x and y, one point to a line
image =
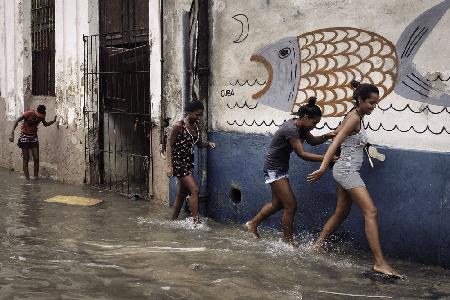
312	101
354	84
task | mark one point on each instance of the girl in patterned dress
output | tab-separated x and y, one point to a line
180	157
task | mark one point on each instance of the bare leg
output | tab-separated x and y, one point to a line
362	198
35	153
25	160
192	186
179	200
283	192
266	211
343	206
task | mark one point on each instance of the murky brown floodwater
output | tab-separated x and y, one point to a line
123	249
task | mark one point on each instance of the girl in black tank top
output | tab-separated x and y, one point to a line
184	137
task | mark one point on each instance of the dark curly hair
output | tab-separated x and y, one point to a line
41	109
362	91
194	106
311	110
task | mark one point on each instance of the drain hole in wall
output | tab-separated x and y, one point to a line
235	195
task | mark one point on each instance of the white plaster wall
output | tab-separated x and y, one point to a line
270	21
71	22
15	54
155	59
2	49
172	66
73	19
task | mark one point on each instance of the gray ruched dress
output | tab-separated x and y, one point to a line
346	169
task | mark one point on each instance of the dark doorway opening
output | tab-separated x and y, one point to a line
117	99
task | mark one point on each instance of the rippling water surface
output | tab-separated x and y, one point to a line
124	249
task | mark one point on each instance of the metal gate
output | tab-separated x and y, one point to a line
117	111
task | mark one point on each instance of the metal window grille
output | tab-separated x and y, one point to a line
43	46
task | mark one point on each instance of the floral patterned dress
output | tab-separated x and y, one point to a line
183	152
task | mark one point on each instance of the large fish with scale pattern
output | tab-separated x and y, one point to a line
322	63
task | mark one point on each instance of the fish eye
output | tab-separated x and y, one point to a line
283	53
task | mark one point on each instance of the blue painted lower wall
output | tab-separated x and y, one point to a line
411	190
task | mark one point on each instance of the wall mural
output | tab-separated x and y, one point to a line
323	62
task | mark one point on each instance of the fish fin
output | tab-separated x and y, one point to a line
413	85
418	30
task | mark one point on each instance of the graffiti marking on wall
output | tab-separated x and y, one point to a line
226	93
440	77
241	106
245	27
246	82
367	126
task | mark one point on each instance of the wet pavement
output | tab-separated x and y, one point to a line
125	249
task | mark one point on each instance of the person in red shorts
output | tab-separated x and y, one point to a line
28	138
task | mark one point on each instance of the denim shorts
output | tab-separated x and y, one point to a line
274	175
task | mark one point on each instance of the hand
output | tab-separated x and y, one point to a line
314	176
329	135
211	145
11	138
335	159
169	171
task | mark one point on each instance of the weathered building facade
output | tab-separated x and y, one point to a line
122	77
89	63
267	57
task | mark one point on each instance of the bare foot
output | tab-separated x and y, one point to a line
197	220
252	229
319	248
385	269
293	244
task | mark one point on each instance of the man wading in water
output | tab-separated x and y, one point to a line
28	138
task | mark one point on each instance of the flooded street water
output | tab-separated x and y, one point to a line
124	249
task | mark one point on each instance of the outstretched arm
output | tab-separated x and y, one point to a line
297	145
45	123
16	122
208	144
348	126
318	140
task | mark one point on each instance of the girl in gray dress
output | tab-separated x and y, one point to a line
352	138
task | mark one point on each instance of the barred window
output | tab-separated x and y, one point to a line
43	43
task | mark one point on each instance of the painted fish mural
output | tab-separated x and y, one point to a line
322	63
